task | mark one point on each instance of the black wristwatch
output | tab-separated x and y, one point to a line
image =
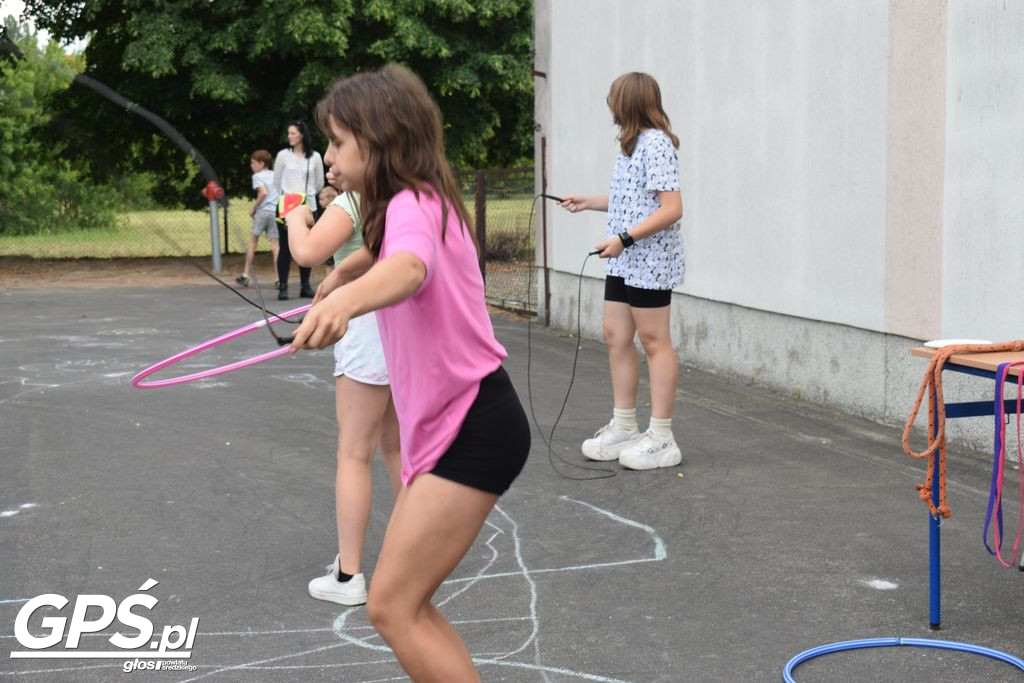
627	239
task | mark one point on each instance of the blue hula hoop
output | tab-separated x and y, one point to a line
787	674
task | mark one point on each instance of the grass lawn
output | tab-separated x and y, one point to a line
138	233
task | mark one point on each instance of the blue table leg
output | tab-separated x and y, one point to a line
934	547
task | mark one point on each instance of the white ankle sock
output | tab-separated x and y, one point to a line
625	419
662	427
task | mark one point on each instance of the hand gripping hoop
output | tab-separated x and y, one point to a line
137	380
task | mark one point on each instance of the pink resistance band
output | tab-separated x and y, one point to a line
137	380
996	498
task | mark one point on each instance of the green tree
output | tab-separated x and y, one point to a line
40	189
229	74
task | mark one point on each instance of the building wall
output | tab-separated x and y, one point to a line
852	178
983	221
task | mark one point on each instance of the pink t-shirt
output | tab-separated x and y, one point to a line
439	342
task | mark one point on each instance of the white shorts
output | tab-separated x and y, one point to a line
359	354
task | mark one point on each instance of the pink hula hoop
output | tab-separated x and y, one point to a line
137	380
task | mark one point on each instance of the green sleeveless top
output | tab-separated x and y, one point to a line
349	202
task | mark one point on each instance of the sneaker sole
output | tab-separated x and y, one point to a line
608	455
671	461
337	599
600	457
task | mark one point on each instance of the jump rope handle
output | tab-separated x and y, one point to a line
560	200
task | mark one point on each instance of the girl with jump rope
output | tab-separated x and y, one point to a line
365	412
464	435
645	262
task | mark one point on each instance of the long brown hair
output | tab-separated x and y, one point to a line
635	101
398	127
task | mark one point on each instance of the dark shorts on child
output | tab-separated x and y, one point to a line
616	289
492	446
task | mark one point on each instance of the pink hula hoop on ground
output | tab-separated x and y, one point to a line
137	380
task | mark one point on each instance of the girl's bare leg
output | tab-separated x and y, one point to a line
360	409
390	447
250	253
619	331
434	523
662	361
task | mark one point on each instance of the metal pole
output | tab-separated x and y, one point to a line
214	236
227	240
544	229
480	202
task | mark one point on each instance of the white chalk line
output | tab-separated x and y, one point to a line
32	672
535	623
469	584
659	545
278	632
525	572
236	667
659	549
339	626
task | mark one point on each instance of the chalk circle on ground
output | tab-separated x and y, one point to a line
138	380
939	343
787	674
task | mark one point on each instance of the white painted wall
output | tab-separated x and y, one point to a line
780	108
983	231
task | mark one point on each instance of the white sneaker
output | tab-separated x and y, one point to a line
327	587
608	442
651	451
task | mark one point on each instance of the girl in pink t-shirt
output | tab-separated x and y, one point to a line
464	435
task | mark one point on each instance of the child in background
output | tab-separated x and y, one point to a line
363	406
645	262
324	199
464	435
262	211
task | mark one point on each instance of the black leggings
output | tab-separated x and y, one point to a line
284	260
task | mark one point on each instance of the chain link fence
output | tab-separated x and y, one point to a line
140	234
498	200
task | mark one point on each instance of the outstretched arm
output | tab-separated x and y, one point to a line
583	202
389	281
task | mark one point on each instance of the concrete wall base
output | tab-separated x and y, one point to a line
863	373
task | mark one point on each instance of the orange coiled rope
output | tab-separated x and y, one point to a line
932	382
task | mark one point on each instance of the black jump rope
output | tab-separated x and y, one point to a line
603	473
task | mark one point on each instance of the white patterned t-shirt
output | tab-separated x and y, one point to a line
655	262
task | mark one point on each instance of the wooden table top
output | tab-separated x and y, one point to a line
979	361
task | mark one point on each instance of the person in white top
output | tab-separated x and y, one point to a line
644	249
297	169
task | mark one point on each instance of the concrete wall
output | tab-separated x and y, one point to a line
852	174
